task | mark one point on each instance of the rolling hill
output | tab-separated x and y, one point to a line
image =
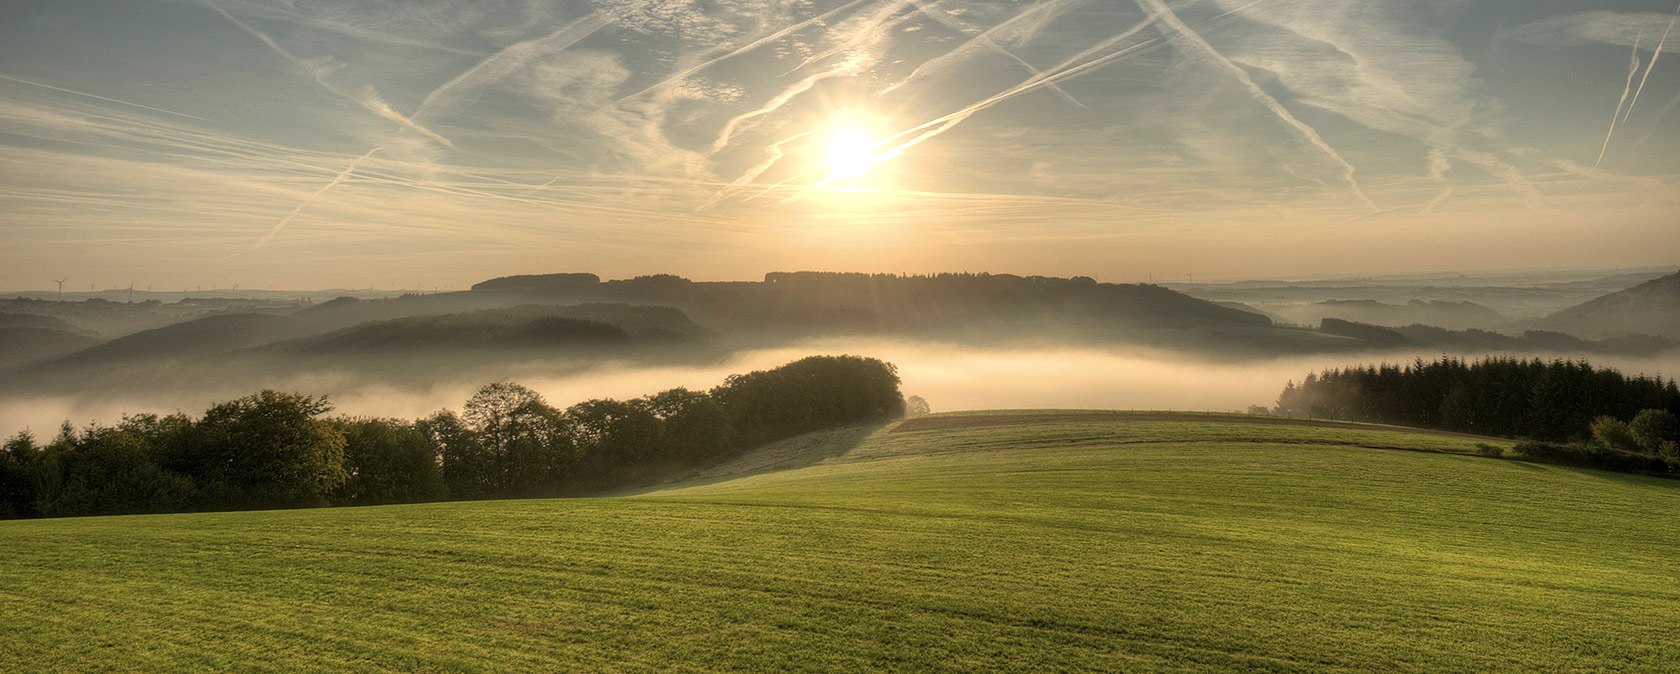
1439	313
988	541
968	305
182	341
28	338
423	347
1650	308
515	328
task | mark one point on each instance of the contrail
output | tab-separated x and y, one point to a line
9	78
755	44
1064	70
369	99
1654	56
1633	68
773	104
984	40
877	27
775	153
934	127
342	175
844	67
1189	38
506	61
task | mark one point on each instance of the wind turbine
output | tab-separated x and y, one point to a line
131	292
60	282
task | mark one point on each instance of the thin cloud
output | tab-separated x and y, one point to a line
449	97
1189	40
1655	54
368	98
287	219
1633	69
97	97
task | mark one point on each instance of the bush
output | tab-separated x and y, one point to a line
1656	432
1611	435
1588	456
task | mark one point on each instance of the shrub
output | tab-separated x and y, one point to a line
1589	456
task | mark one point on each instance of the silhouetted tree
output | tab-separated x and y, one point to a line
613	437
17	464
525	440
808	394
273	449
469	470
917	406
107	471
693	427
388	461
1554	400
269	448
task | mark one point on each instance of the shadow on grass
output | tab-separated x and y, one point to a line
790	454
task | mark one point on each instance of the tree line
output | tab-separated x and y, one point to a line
275	449
1569	411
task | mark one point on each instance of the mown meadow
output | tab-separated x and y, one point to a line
1023	541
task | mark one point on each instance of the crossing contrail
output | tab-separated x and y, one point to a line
1633	68
1654	56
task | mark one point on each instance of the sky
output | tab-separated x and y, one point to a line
435	143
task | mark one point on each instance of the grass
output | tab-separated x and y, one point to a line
1042	542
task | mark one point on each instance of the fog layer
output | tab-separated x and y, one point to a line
951	377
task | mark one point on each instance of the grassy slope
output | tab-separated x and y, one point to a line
1050	543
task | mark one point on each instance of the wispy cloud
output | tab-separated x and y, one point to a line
367	97
1192	42
452	95
1655	55
97	97
686	135
1594	27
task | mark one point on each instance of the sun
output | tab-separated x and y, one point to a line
851	153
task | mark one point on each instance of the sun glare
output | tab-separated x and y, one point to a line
851	153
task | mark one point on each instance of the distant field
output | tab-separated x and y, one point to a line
1020	541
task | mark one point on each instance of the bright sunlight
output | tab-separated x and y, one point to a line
851	153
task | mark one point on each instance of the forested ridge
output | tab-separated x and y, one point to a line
1601	416
276	449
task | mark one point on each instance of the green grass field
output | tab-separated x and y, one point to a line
954	543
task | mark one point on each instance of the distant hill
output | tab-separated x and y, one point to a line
28	338
191	339
970	305
40	321
1650	308
1531	341
258	349
1440	313
517	328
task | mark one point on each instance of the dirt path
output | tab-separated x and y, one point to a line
954	421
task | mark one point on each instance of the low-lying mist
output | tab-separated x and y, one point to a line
951	377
